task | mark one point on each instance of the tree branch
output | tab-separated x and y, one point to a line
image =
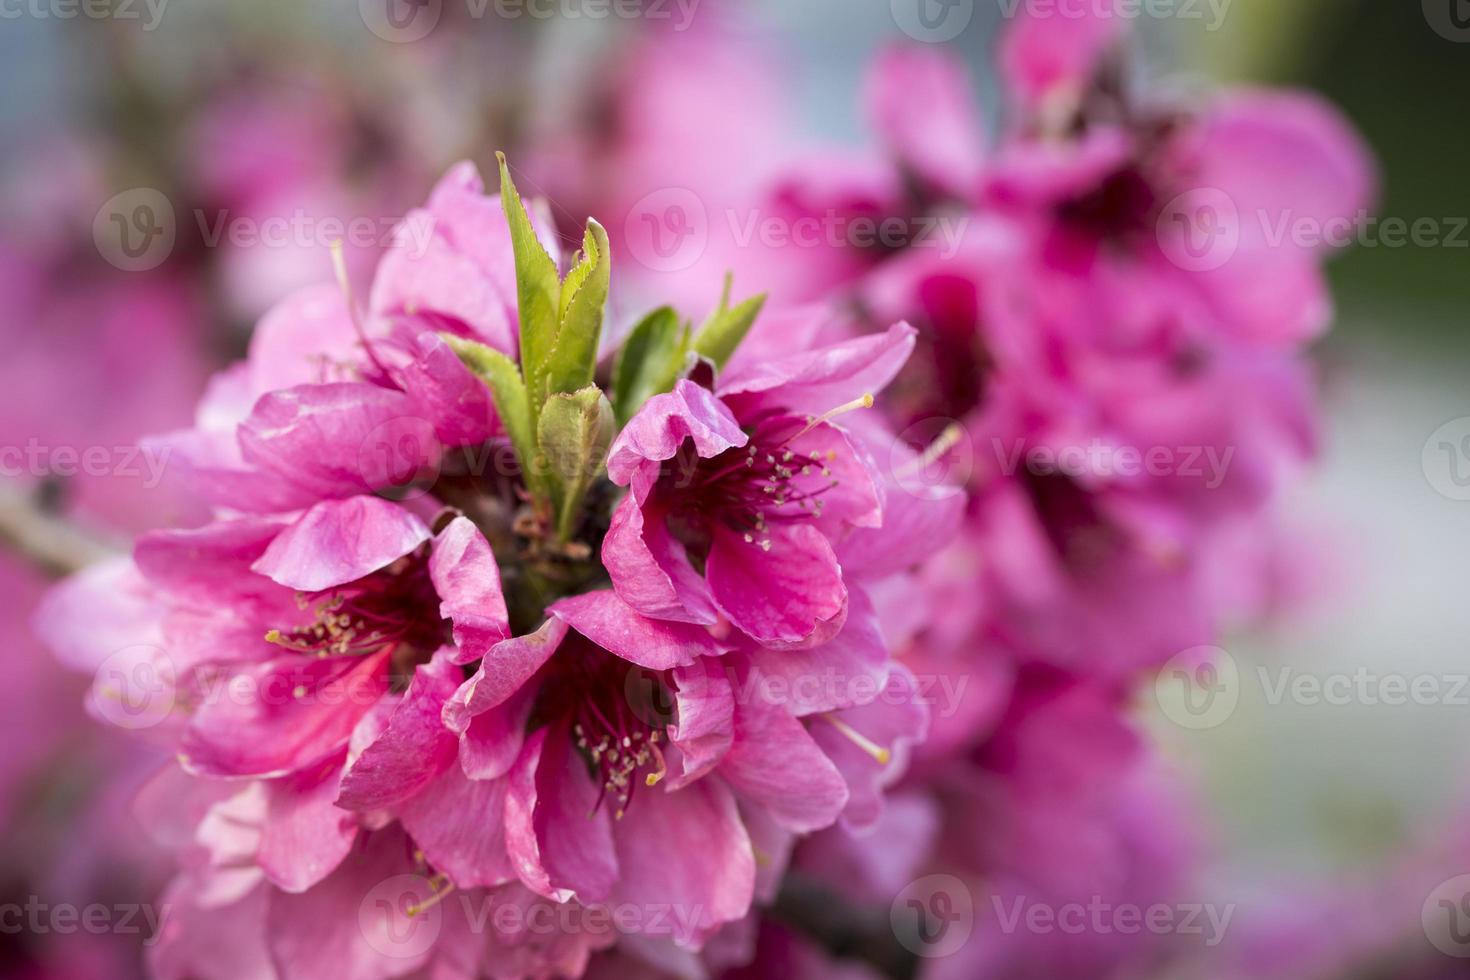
53	544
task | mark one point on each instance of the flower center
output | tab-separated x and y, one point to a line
616	713
394	609
773	478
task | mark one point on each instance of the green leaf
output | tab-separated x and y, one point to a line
573	359
727	327
649	361
574	433
503	378
538	290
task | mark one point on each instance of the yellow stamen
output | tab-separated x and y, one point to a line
947	440
878	752
443	887
866	401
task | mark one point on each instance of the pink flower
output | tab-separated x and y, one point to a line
755	486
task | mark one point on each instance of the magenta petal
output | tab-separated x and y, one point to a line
921	105
489	746
893	723
340	541
283	715
660	427
686	849
559	839
305	835
205	942
210	564
413	749
1041	55
459	825
650	570
790	596
917	521
299	336
468	582
775	763
98	611
457	403
355	924
706	719
848	670
505	669
819	380
336	440
612	624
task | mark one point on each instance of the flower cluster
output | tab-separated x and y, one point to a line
1110	361
492	628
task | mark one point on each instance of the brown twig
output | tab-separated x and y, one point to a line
53	544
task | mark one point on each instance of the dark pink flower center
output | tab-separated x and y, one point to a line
750	488
393	610
615	711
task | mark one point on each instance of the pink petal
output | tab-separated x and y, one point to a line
790	596
893	723
922	106
503	672
283	715
415	747
848	670
688	850
817	381
467	579
340	541
1043	55
305	835
459	825
340	439
660	427
612	624
774	763
705	725
649	567
493	740
559	840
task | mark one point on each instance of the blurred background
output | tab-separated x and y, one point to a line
170	169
